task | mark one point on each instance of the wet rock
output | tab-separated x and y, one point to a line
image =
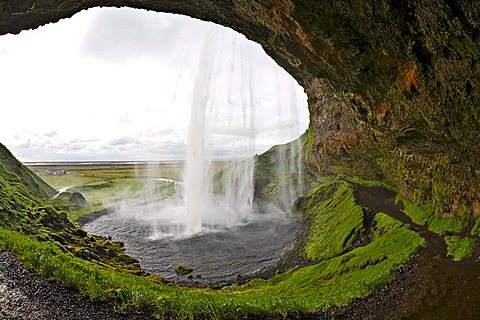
183	270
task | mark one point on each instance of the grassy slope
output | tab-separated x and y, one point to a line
25	207
460	247
337	223
333	281
336	281
272	176
16	173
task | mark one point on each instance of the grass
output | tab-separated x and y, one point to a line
460	248
340	278
427	217
26	211
336	281
336	223
102	185
371	183
12	170
445	225
476	228
385	223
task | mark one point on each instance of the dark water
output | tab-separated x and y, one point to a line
217	254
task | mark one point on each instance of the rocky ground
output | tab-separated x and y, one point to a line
27	297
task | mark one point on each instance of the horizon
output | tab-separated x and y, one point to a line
114	84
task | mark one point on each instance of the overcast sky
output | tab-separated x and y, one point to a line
118	84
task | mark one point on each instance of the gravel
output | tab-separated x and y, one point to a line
25	296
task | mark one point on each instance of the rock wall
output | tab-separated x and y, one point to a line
393	85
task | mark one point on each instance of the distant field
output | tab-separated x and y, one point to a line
102	184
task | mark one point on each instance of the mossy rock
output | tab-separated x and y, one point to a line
159	279
75	198
183	270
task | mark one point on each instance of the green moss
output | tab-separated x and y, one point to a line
337	281
428	217
445	225
183	270
273	174
435	180
418	216
476	228
464	214
385	223
24	210
371	183
460	248
14	171
340	280
336	222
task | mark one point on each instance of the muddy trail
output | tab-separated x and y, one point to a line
430	286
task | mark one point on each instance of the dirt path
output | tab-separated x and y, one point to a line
430	286
24	296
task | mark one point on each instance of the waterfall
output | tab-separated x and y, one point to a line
197	163
224	89
233	204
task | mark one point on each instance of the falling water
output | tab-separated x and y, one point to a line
230	204
195	173
225	86
212	222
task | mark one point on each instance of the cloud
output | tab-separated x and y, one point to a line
124	141
136	70
118	35
51	134
125	118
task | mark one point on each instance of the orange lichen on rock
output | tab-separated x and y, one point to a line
341	141
476	208
408	78
283	9
381	111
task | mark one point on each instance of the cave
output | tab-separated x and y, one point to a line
395	73
392	86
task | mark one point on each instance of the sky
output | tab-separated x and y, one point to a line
119	84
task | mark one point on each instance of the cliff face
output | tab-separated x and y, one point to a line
393	85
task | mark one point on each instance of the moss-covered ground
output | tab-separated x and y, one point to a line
460	247
39	233
333	281
26	207
476	228
337	222
428	217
